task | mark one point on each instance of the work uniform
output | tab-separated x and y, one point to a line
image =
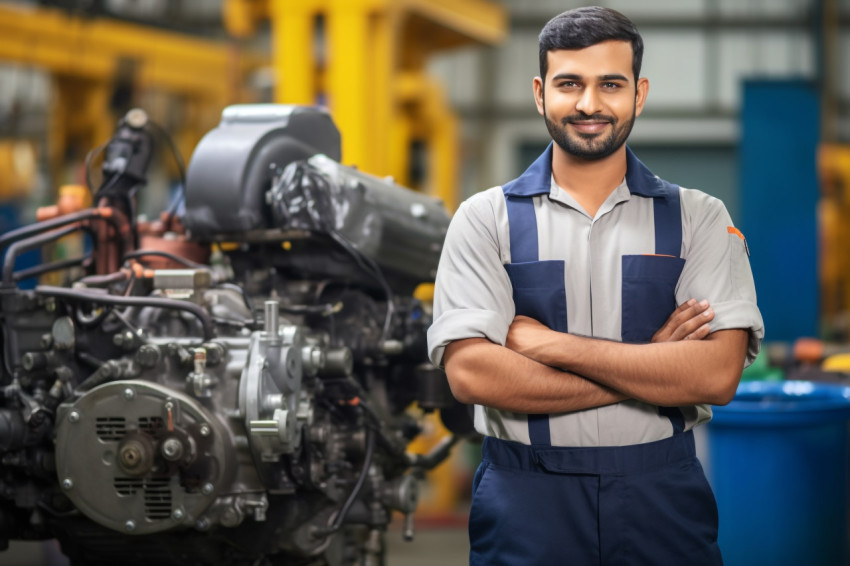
617	484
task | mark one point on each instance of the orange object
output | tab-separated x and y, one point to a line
733	230
808	350
72	198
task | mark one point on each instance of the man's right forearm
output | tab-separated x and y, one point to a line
483	373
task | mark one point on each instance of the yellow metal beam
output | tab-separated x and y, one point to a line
92	47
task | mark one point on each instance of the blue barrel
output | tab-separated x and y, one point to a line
778	463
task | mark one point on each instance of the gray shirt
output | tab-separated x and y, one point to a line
473	296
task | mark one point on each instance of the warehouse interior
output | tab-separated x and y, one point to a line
749	101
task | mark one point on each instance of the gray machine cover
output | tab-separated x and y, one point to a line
234	164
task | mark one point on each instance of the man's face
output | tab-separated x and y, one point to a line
589	98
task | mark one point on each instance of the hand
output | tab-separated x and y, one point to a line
688	322
527	336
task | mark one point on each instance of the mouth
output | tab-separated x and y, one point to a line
589	126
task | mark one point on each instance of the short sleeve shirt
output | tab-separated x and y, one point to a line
473	296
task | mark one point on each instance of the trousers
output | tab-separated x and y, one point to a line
640	505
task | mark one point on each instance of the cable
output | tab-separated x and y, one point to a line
178	158
79	295
364	471
89	156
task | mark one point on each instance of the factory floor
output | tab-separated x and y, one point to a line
443	545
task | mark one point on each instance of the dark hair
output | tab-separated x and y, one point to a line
583	27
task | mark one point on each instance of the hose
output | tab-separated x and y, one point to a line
28	244
155	302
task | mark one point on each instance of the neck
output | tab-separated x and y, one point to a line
589	182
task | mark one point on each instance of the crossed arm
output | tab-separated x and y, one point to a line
543	371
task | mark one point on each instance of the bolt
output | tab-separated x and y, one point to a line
118	339
129	394
67	483
46	341
130	526
172	449
202	524
205	430
148	355
169	405
74	417
207	489
177	514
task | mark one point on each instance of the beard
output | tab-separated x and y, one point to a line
589	147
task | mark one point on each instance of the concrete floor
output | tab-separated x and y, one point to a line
444	546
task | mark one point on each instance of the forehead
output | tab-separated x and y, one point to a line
606	58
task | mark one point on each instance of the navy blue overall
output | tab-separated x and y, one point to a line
646	504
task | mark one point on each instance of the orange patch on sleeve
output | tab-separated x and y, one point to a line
733	230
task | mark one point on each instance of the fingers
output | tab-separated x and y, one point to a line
688	322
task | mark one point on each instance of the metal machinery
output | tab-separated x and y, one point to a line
227	385
366	60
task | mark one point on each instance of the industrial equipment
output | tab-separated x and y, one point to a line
229	384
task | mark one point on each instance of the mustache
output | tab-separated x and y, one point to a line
584	118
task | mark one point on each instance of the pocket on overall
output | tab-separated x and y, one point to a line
649	294
539	292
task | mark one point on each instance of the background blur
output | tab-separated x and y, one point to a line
749	101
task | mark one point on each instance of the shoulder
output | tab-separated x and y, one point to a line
484	206
698	206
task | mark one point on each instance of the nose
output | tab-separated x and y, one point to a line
589	102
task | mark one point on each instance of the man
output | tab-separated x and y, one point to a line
556	315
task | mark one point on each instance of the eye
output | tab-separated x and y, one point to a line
610	86
567	84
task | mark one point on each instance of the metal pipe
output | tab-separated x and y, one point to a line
28	244
156	302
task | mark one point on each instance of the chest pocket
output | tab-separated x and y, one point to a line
649	281
539	292
649	294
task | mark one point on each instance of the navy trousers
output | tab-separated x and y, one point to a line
647	505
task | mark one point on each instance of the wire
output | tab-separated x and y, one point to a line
178	158
89	157
364	471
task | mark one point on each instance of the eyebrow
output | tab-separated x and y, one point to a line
574	77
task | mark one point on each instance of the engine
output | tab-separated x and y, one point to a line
230	383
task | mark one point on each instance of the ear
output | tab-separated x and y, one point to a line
537	85
640	94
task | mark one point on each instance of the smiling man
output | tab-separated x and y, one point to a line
592	311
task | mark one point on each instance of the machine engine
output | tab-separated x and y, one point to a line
231	383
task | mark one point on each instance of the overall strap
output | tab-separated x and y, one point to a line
522	223
667	211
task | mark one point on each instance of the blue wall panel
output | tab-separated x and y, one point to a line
780	123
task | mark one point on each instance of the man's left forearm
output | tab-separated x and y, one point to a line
680	373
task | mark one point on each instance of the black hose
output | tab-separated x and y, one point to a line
155	302
104	280
361	479
58	222
167	255
48	267
28	244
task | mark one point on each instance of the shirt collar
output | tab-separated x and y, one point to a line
538	177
